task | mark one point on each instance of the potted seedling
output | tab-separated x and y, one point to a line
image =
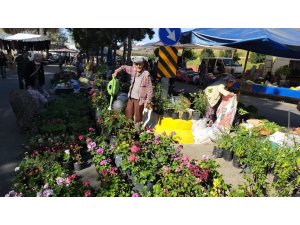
67	160
168	107
78	164
199	104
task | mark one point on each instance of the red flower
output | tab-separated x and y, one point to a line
134	149
87	193
80	137
86	183
88	140
133	158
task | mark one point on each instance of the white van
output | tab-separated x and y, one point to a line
217	65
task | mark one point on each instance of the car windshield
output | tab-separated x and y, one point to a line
230	62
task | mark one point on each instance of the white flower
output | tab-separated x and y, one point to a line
17	169
40	140
67	152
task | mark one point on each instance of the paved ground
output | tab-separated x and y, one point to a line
11	152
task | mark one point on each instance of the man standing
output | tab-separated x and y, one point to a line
34	73
21	61
140	91
3	65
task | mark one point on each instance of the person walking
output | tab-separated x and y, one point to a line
3	61
21	61
140	91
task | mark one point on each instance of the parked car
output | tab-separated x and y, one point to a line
219	65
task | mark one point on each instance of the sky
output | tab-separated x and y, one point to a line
156	38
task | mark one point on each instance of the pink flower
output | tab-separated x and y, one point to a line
91	145
91	129
134	149
88	140
80	137
100	151
104	173
86	183
157	142
132	158
87	193
173	133
102	162
135	195
205	157
68	181
166	169
147	141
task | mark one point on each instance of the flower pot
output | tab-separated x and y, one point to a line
185	116
235	161
118	160
67	165
195	115
218	152
175	115
112	140
78	166
227	155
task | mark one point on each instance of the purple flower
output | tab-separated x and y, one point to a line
48	192
46	186
135	195
13	194
100	151
173	133
102	162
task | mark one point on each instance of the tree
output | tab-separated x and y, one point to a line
257	58
207	53
189	54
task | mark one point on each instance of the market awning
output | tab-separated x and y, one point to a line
183	46
27	37
283	42
23	41
64	50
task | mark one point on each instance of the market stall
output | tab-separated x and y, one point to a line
22	41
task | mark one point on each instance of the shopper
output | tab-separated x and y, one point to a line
21	61
34	73
3	61
140	91
214	92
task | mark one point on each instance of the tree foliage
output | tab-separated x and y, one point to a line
207	53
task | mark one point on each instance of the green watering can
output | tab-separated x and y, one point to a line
113	89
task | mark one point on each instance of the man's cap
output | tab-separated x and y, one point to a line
138	59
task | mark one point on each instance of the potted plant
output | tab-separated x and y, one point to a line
199	104
223	147
67	160
168	107
76	155
180	104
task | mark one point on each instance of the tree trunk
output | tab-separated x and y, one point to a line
124	51
128	62
115	54
41	31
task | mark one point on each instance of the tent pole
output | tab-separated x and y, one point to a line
247	56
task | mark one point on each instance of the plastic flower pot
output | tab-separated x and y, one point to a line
218	152
78	166
235	161
185	116
167	113
195	115
118	160
227	155
68	165
175	115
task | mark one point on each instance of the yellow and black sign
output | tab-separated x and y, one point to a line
167	62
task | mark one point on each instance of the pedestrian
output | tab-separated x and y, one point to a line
202	74
3	64
34	74
214	92
140	91
21	61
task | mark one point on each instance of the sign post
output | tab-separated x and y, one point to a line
167	63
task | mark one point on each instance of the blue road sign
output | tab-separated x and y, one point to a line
169	36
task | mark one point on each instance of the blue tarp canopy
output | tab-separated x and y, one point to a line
283	42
